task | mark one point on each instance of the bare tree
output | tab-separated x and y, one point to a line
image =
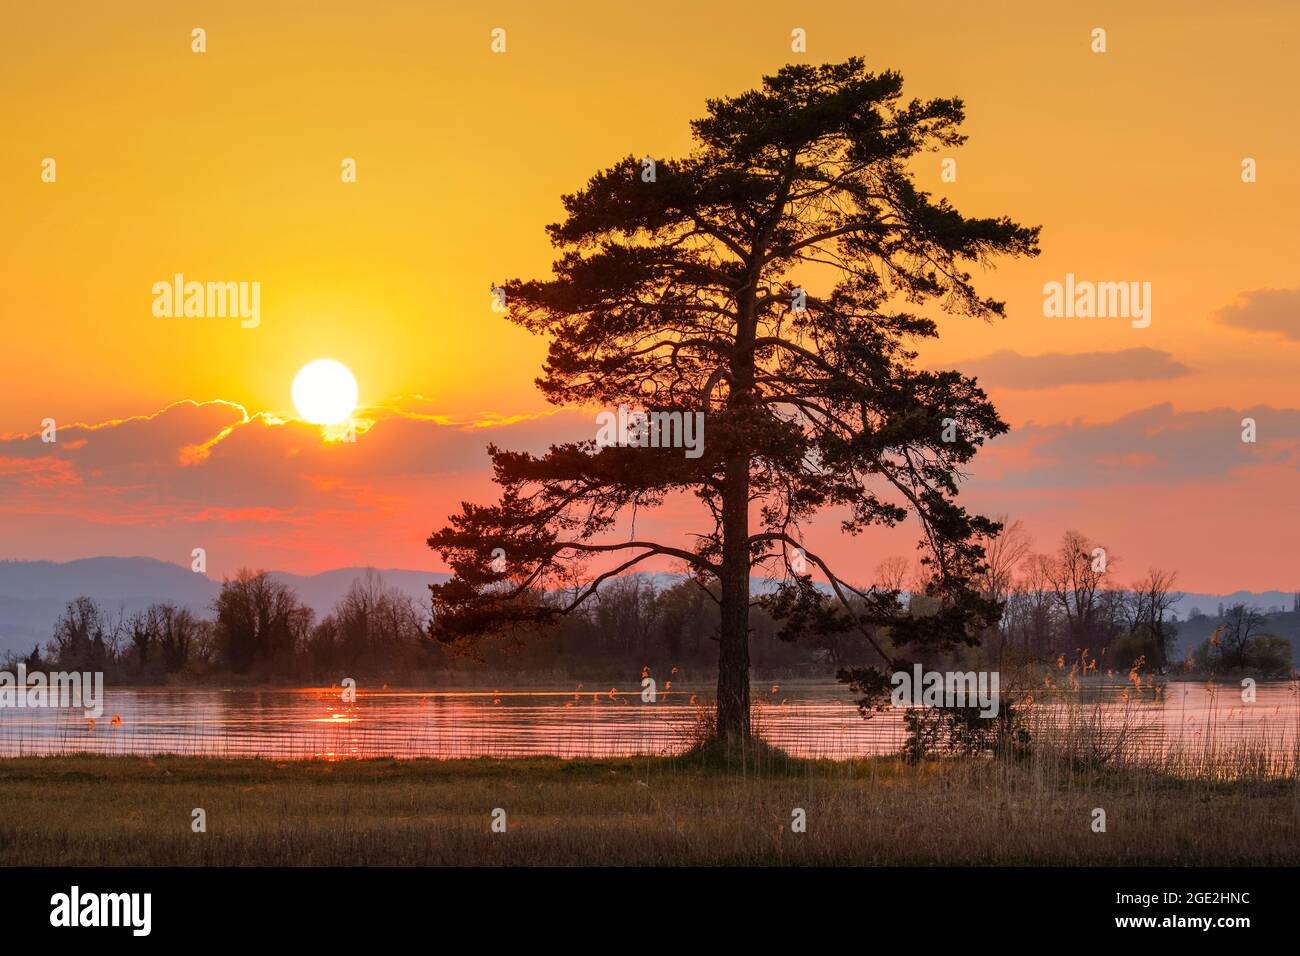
626	609
260	621
892	573
1036	606
1240	625
1075	574
1003	555
372	623
82	636
1151	602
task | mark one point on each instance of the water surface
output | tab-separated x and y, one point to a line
806	718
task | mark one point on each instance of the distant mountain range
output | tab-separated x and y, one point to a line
33	593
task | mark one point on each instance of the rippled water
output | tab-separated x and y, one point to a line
812	719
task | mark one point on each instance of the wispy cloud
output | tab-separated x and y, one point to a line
1156	446
211	474
1156	483
1008	369
1275	311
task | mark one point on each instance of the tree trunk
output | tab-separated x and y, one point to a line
733	651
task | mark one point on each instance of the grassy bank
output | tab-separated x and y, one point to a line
645	811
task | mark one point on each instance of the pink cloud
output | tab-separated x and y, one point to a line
1177	489
251	489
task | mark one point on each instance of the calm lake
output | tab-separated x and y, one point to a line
806	718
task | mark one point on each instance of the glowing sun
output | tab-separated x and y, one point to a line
325	392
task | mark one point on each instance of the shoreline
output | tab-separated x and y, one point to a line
565	685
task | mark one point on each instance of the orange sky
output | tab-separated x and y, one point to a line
225	166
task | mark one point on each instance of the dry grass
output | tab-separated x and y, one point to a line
699	809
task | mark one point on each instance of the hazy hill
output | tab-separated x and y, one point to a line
33	593
1193	633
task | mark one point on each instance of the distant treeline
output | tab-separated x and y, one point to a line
1058	607
1067	605
260	630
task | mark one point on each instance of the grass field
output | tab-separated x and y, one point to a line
645	811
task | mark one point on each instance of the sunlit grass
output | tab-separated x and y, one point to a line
694	809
